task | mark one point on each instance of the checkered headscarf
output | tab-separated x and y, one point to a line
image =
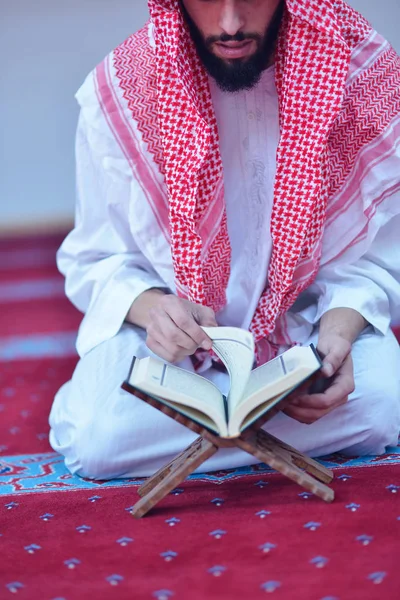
174	111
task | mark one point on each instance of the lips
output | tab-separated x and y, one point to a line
232	50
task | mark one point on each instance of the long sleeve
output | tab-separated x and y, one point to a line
371	285
105	270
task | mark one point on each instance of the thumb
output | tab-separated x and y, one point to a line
335	358
328	368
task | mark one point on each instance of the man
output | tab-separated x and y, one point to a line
238	164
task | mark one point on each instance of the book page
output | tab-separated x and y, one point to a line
235	347
274	379
265	375
179	386
263	408
192	386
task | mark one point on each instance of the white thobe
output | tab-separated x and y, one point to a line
115	253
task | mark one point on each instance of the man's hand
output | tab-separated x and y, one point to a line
338	364
339	328
172	324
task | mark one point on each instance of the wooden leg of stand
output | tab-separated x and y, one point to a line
303	462
181	468
155	479
267	450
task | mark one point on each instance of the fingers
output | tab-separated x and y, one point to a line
205	316
174	330
189	318
308	412
341	388
306	415
162	327
167	351
308	408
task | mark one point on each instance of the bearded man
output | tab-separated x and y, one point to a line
238	163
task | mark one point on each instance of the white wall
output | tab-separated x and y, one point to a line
48	47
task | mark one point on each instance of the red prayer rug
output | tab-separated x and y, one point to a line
244	533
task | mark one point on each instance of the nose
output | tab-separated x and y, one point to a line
230	20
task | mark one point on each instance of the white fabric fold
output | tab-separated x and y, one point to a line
370	285
104	269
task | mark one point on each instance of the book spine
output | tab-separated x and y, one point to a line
226	408
317	354
130	370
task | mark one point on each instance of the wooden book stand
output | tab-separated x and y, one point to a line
305	471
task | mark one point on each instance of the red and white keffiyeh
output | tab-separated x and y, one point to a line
324	124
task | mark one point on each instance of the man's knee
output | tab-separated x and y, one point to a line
92	420
95	443
377	395
96	450
93	452
384	427
378	413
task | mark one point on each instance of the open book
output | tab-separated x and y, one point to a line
252	392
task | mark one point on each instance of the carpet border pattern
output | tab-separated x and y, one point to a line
41	473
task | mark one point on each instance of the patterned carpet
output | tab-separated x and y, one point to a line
230	535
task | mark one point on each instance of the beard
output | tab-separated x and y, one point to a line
237	74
